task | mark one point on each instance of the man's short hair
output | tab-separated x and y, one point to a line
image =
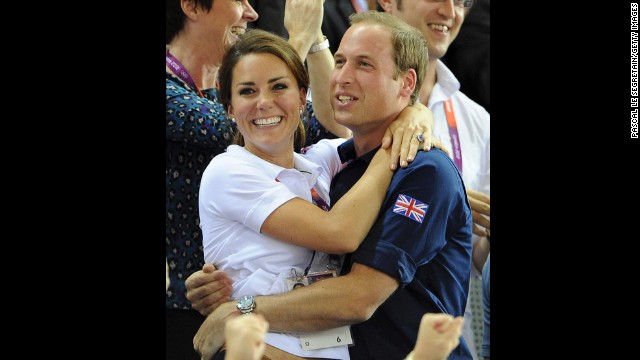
409	46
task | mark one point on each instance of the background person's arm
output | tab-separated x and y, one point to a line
303	21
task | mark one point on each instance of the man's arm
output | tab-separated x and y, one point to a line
326	304
329	303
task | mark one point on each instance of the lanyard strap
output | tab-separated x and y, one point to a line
316	199
181	72
453	131
319	202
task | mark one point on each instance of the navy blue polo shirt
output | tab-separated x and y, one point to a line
422	237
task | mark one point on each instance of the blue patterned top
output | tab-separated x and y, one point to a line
197	130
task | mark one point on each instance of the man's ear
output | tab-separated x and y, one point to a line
385	4
409	82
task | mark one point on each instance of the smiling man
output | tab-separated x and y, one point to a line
417	257
459	122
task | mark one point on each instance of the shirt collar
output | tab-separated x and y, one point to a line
308	169
446	84
347	152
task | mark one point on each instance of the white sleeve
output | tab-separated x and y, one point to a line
239	190
325	154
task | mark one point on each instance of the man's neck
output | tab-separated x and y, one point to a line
364	144
365	140
429	82
200	68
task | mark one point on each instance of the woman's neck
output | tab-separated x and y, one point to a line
200	67
283	158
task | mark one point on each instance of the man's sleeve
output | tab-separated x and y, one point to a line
424	201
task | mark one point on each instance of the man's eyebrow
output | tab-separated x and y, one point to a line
360	56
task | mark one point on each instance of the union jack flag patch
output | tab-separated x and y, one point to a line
411	208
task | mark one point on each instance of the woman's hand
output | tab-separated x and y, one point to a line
412	130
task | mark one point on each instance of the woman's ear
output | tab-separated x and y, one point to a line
303	97
190	8
230	113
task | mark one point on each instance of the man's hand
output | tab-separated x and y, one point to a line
481	212
244	337
210	336
208	288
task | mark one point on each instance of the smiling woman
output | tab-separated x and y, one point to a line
263	208
264	107
198	34
251	195
265	101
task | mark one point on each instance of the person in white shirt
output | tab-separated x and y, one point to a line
264	208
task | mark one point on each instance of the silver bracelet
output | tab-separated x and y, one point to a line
319	47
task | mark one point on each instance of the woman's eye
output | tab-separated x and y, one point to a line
245	91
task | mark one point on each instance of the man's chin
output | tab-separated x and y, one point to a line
343	118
